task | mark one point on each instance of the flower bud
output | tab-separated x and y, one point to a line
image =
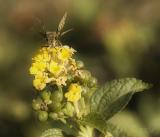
36	104
42	116
69	109
53	115
55	106
80	64
46	95
57	96
60	114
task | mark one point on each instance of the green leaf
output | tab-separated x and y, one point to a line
94	121
115	131
114	96
54	132
103	126
86	131
66	128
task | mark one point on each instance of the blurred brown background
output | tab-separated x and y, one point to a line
115	39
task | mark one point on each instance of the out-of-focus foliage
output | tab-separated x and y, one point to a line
126	43
130	123
150	113
114	39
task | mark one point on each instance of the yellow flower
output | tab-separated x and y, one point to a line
55	68
40	81
43	55
74	93
37	67
65	53
56	62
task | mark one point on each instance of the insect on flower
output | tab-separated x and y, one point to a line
52	37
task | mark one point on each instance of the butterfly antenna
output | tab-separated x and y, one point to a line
65	32
62	22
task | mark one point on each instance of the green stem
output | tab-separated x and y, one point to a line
76	107
60	88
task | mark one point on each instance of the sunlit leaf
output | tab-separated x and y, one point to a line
115	95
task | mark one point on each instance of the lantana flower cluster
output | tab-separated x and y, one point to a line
52	66
62	83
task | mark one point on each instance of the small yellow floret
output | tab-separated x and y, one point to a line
44	57
37	67
65	53
55	68
74	93
40	82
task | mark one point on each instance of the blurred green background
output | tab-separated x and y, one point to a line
115	39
